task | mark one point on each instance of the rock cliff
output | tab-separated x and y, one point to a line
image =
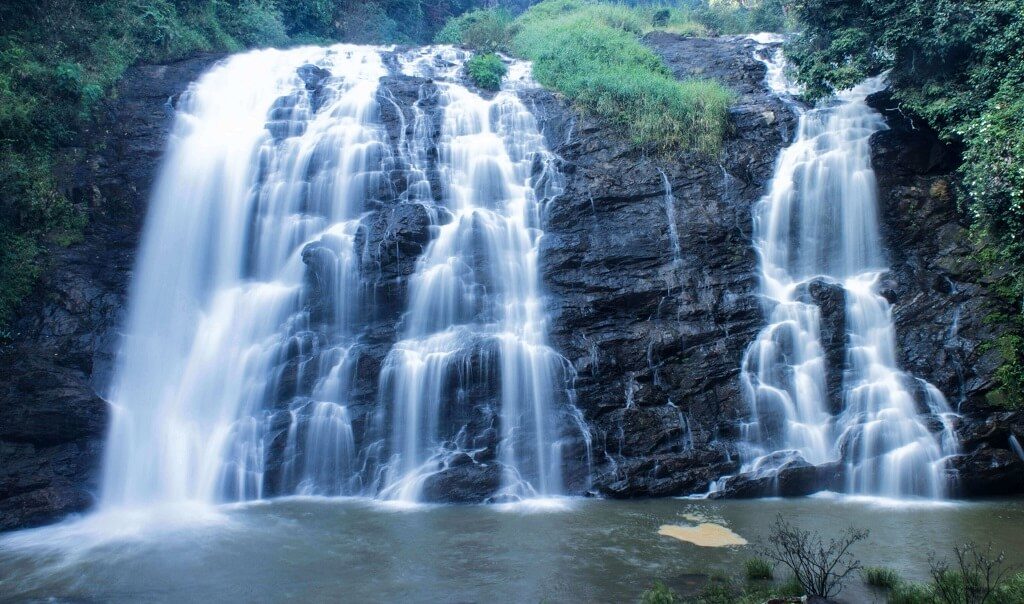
651	281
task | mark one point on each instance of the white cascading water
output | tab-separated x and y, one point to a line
267	175
476	314
254	173
819	221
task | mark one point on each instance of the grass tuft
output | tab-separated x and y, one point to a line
758	569
881	577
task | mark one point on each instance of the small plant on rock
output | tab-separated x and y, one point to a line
486	71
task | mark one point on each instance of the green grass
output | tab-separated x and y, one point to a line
911	593
881	577
486	71
758	569
592	53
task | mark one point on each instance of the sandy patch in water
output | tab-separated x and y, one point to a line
705	534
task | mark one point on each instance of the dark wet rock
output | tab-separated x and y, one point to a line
988	471
312	75
830	298
462	483
796	478
640	330
666	474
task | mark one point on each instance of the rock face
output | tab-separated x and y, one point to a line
941	298
655	335
652	291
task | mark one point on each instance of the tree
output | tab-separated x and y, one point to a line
820	567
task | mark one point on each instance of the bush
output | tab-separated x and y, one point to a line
487	30
741	18
910	593
820	567
659	594
255	24
486	71
884	578
758	569
974	577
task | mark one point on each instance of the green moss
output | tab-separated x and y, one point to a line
486	71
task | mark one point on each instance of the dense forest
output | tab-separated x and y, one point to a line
957	66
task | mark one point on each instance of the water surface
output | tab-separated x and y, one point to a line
357	550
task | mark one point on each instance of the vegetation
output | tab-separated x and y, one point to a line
660	594
759	569
486	71
820	567
881	577
486	30
959	65
721	591
592	53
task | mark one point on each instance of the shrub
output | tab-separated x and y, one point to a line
877	576
660	594
486	71
482	29
910	593
255	23
820	567
758	569
974	577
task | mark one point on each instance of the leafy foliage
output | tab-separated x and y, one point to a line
487	30
660	594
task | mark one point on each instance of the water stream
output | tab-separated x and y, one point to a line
252	306
816	233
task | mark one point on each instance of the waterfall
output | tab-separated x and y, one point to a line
476	317
817	231
248	314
